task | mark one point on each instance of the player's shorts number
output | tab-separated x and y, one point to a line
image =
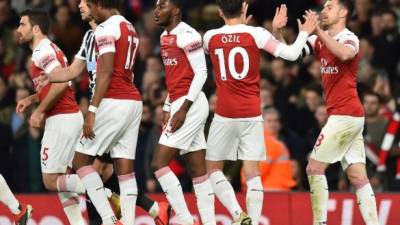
231	62
45	154
319	140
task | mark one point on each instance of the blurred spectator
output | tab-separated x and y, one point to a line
67	35
389	39
276	171
375	125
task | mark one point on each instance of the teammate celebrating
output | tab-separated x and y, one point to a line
22	213
186	72
341	138
57	106
86	58
236	131
112	123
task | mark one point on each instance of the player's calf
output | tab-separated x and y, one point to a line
319	190
365	195
255	191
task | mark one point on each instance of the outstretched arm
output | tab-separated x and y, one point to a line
60	75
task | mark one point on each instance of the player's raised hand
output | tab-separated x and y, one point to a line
23	104
37	119
245	19
280	19
88	125
310	23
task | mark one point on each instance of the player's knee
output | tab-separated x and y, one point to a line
50	182
315	169
358	180
155	165
197	171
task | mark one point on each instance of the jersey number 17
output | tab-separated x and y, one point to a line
130	55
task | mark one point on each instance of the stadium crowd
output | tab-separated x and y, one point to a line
291	93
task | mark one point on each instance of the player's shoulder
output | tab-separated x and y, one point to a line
42	49
186	34
347	34
186	31
111	25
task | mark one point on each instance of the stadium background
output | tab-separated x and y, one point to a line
294	89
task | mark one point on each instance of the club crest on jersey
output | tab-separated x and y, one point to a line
325	69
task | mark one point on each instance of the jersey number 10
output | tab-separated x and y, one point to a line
130	55
231	62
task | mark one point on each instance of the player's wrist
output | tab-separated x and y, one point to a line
92	109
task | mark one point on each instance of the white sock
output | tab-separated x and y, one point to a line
95	189
70	202
224	191
173	191
70	183
128	196
254	199
205	199
319	198
154	210
7	197
367	204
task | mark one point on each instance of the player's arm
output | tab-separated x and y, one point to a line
291	52
344	51
60	75
195	54
54	94
24	103
279	21
75	69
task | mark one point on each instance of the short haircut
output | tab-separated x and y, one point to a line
39	18
230	8
109	4
390	12
270	110
376	95
348	4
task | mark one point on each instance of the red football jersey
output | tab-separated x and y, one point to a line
176	49
45	57
339	78
117	35
235	55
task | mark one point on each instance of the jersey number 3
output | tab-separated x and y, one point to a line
130	56
231	62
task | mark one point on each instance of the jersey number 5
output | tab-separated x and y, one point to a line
231	62
130	56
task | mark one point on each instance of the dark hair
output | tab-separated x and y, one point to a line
230	8
389	11
109	4
376	95
177	3
348	4
314	88
39	18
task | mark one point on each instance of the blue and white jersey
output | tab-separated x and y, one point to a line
87	52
